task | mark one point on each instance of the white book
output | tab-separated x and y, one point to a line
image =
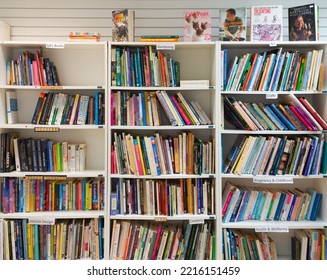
3	109
82	109
17	161
82	156
61	101
12	107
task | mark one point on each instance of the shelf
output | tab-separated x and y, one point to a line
210	88
163	127
168	176
191	218
50	128
277	226
270	132
54	215
80	174
14	87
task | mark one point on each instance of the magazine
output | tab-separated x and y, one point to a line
232	26
303	23
266	23
197	25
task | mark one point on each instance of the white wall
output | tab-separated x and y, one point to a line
52	20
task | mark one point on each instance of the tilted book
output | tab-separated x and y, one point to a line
232	26
123	25
303	23
266	23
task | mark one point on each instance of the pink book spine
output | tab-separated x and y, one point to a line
180	110
112	109
228	199
36	81
147	63
138	158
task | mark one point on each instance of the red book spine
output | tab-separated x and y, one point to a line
180	110
312	111
299	117
156	244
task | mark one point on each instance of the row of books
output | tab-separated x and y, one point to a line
274	70
276	155
162	197
143	66
40	155
242	203
295	113
21	195
240	245
159	155
31	69
61	108
82	36
308	244
135	240
141	109
65	239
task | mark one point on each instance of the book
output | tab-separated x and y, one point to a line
266	23
3	110
197	25
123	25
232	26
12	107
303	23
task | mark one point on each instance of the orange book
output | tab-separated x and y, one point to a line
189	194
248	77
190	153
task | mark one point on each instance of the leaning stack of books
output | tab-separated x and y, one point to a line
84	36
159	38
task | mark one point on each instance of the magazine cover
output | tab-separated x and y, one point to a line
267	23
197	25
123	25
303	23
232	26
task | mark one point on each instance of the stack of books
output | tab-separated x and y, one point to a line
159	38
84	36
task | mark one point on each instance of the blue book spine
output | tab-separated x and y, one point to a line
118	68
316	207
237	206
313	194
274	118
278	157
286	70
241	211
306	71
225	57
256	205
155	153
278	72
36	247
280	206
96	108
135	191
139	68
310	157
282	117
100	226
292	206
313	169
25	238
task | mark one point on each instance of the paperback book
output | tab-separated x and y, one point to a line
303	23
266	23
197	25
123	25
232	26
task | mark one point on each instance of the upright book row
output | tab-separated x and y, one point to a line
143	66
134	240
274	70
160	155
31	69
163	197
68	239
61	108
278	155
23	195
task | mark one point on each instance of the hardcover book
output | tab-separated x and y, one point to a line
266	23
303	23
197	25
232	26
123	25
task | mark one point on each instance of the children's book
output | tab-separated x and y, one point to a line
266	23
197	25
232	24
123	25
303	23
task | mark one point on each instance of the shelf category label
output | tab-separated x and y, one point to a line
271	229
165	46
268	180
41	221
272	95
196	221
55	45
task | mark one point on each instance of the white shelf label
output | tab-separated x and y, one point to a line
166	46
55	46
272	95
271	229
196	221
41	221
269	180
